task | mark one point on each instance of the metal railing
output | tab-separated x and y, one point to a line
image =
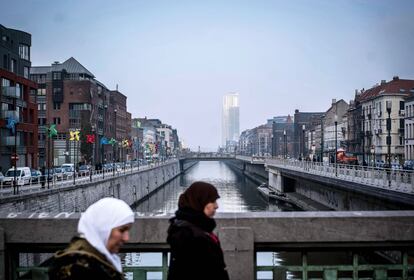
65	179
11	92
384	178
357	268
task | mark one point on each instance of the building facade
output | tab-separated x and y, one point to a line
409	127
18	119
383	116
230	120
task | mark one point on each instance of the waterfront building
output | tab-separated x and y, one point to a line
71	98
375	103
303	121
409	127
18	119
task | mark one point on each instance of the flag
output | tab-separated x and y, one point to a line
104	141
52	131
125	143
90	138
112	141
11	124
74	135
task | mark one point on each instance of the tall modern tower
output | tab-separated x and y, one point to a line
230	124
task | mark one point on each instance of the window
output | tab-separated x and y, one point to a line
401	105
41	106
57	90
26	72
56	120
41	91
24	52
13	65
56	106
57	76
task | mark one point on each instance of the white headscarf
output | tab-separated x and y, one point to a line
96	224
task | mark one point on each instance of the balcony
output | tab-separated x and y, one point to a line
12	92
11	114
9	140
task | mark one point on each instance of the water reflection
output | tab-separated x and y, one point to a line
238	193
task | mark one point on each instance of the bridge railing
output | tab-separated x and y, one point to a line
390	179
261	245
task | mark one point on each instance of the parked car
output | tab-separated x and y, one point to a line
36	175
84	170
22	174
67	172
58	173
408	165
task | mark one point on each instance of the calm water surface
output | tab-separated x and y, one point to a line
237	192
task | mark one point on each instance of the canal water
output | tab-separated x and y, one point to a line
237	192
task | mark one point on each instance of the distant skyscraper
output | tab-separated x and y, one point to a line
230	125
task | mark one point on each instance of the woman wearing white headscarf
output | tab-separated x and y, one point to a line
102	229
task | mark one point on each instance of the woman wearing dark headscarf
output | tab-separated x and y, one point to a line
195	249
102	229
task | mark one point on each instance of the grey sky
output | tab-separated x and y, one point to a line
176	59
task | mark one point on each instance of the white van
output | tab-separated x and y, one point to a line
23	176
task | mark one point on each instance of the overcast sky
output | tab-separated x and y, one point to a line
174	60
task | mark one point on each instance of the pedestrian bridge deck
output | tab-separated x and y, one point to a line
243	235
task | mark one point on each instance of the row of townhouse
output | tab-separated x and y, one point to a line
154	138
377	126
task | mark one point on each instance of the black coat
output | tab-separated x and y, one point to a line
81	261
195	250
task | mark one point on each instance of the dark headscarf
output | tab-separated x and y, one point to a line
197	196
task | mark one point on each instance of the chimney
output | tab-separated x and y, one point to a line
383	82
333	101
395	78
55	62
116	87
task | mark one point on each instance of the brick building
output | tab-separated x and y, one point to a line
18	119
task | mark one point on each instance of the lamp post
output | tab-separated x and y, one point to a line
389	105
114	149
303	141
363	137
322	138
373	155
336	145
284	144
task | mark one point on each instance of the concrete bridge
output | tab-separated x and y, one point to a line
367	238
343	187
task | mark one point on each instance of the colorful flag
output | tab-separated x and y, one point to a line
74	135
112	141
52	131
11	124
90	138
125	143
104	141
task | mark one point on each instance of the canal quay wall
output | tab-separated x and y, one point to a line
130	187
255	172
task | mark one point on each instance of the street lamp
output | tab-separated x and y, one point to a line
303	141
321	159
336	145
389	105
285	144
114	148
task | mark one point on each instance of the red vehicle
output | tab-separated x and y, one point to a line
343	157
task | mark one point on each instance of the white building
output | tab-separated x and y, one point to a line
409	129
230	120
374	114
